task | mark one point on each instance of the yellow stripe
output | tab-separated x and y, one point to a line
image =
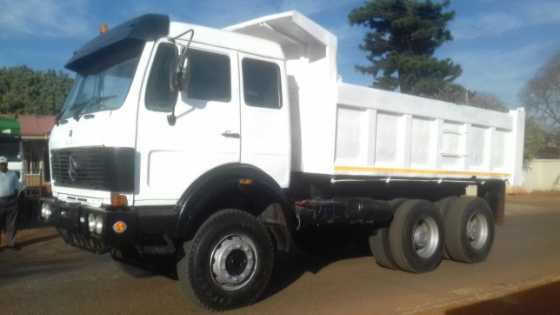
414	171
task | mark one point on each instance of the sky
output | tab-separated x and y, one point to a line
499	43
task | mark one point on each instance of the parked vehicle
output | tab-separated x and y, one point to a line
10	143
219	145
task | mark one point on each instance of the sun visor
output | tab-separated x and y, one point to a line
130	34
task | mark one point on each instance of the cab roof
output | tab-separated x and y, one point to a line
229	40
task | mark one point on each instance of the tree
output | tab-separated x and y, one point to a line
487	101
23	90
541	97
535	140
401	45
456	93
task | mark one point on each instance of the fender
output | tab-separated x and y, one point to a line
192	206
494	192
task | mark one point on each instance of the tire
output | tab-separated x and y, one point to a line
230	244
396	203
461	245
444	205
417	216
379	241
379	246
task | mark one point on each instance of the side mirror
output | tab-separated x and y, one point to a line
179	69
173	67
178	72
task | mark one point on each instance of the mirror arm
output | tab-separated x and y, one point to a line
172	118
191	31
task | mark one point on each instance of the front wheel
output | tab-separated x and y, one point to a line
229	261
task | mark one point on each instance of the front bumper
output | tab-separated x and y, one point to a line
72	222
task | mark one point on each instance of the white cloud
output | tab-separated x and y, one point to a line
216	13
502	71
543	12
43	18
512	17
311	7
486	25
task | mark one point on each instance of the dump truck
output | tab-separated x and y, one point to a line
219	146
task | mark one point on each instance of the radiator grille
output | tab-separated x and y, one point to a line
96	168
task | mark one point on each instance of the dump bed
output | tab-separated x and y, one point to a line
343	129
388	134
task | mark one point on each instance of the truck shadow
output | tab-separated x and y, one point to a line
318	248
539	300
148	266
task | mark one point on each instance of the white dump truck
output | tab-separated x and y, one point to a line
220	145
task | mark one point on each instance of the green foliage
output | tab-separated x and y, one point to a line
541	95
541	98
401	45
27	91
456	93
535	139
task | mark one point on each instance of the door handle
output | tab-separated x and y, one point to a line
231	134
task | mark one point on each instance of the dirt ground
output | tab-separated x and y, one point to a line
521	276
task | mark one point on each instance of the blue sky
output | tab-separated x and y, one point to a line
499	43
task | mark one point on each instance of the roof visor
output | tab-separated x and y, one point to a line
129	34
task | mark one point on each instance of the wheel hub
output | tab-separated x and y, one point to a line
236	262
425	237
477	230
233	262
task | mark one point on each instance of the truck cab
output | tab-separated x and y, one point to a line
116	138
124	96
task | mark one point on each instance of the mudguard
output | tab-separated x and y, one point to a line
246	179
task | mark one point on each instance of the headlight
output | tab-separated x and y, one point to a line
46	211
99	225
91	223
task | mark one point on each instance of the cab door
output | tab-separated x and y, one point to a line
265	124
207	127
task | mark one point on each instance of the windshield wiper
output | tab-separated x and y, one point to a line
100	104
80	107
94	101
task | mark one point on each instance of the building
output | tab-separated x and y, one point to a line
35	131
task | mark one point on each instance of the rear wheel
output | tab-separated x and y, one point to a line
379	241
469	227
379	245
416	236
229	261
444	205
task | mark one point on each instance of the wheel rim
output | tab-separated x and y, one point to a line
233	262
477	230
425	237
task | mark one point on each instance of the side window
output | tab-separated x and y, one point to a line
209	76
261	84
159	95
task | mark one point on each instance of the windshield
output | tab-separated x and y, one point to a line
10	148
104	90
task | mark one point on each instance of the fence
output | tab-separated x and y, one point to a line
542	175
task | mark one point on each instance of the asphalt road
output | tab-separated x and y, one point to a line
521	276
